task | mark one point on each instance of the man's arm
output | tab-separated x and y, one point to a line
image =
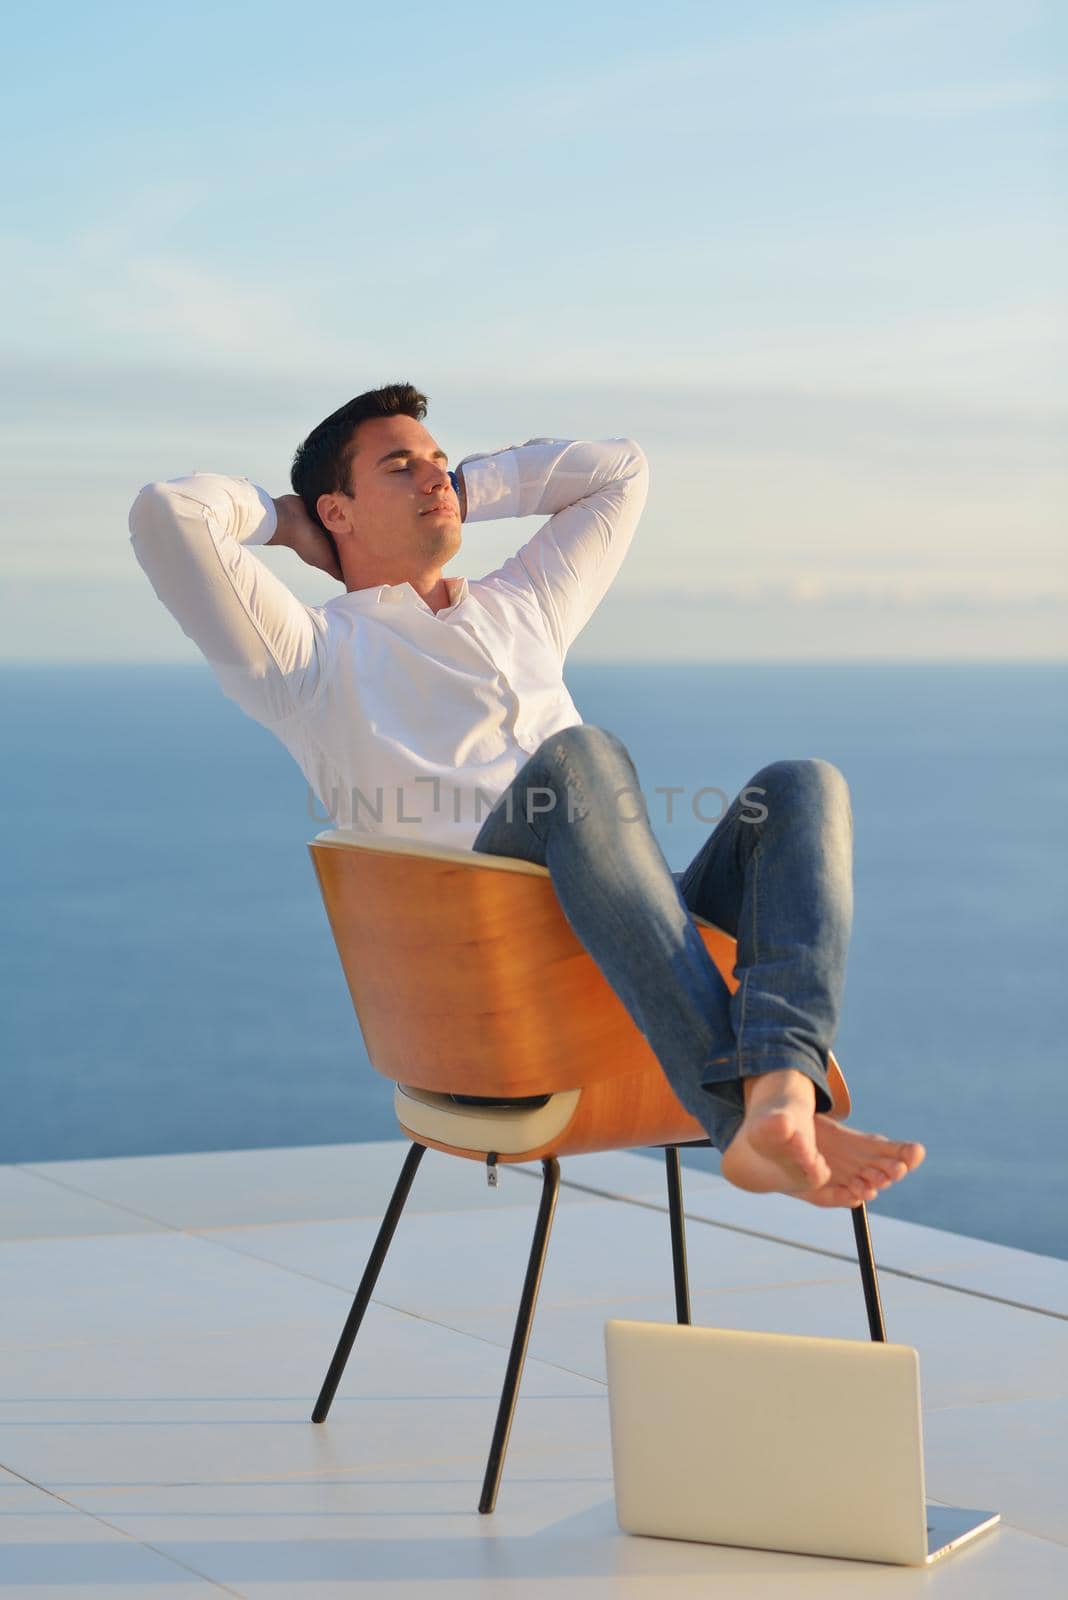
191	537
593	493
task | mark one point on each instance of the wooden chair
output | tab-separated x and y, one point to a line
468	981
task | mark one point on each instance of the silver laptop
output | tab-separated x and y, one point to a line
775	1442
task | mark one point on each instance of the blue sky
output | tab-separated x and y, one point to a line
812	255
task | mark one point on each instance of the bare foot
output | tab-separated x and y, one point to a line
785	1146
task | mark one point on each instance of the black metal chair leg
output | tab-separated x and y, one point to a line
678	1233
872	1299
550	1186
368	1281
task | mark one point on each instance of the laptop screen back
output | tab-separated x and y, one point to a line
766	1440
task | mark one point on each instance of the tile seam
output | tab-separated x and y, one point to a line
813	1249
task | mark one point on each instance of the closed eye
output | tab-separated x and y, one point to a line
402	455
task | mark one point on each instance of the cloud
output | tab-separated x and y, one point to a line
915	591
797	69
952	100
180	303
1016	353
103	297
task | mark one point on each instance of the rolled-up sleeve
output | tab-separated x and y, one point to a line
191	538
593	492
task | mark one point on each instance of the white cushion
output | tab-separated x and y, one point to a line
509	1132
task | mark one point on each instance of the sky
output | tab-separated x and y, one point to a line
812	255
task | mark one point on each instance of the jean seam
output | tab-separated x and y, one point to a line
530	828
527	823
740	1043
571	781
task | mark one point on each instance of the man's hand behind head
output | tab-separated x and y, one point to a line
297	530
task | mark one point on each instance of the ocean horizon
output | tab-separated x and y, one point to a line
170	983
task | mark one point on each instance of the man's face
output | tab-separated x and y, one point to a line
401	513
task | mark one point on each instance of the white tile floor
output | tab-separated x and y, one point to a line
167	1322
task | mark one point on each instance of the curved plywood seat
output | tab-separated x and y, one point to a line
467	979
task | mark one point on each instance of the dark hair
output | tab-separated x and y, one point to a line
323	462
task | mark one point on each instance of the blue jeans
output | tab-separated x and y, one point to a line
776	873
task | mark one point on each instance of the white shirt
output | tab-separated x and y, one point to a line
404	722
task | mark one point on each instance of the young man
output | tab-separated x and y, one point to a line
415	703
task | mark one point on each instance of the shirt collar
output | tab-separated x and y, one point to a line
391	594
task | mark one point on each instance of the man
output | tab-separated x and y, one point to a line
415	703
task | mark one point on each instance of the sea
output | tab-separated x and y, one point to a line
169	982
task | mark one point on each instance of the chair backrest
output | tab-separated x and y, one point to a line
466	976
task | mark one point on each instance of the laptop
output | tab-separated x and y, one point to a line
774	1442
